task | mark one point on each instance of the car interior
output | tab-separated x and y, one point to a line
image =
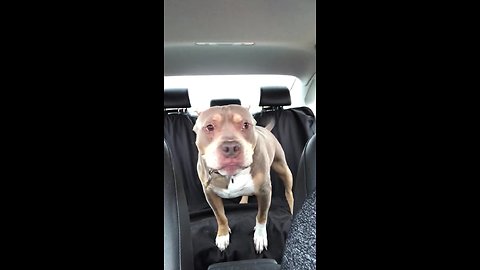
239	38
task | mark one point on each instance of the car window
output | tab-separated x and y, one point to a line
202	89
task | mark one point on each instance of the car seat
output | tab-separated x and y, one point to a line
293	127
299	252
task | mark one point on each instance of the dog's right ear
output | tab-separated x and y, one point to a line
195	127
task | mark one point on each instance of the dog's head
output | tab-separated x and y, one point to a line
226	138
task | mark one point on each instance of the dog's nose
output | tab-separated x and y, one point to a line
230	149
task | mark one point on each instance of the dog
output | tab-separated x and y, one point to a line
234	159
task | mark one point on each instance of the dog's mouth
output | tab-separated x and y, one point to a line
231	168
231	164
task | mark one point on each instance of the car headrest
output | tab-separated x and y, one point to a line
223	102
176	98
275	96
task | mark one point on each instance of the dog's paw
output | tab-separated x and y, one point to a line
244	199
222	241
260	240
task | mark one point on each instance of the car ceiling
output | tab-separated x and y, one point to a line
284	33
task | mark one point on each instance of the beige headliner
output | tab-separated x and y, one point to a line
283	32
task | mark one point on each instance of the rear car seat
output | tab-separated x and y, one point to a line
306	180
177	244
178	132
180	138
293	128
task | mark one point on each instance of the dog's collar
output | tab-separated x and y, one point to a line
212	171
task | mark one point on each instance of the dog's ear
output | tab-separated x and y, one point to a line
195	127
247	107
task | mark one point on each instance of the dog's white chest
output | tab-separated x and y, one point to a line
242	185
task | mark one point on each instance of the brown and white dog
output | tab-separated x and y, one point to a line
234	160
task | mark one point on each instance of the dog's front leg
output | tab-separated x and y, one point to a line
281	168
264	198
223	237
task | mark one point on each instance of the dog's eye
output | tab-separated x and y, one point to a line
209	128
246	125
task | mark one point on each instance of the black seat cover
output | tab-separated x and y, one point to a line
178	132
177	252
293	128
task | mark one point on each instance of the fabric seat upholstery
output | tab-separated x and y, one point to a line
293	128
178	132
180	139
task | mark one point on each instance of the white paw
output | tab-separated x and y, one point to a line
260	237
222	241
244	199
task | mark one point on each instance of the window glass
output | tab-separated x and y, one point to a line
202	89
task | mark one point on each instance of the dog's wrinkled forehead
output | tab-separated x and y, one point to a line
222	114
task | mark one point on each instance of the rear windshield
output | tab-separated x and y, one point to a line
202	89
